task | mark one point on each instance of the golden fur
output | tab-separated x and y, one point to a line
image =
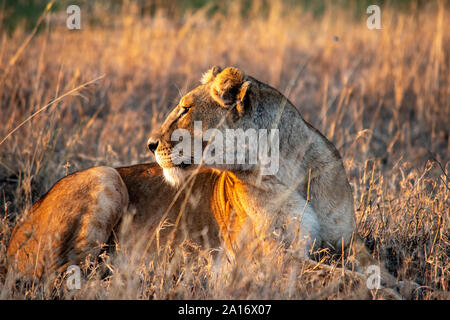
81	211
69	222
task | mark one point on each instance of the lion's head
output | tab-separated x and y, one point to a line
220	124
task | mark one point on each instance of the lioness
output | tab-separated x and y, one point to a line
310	167
307	203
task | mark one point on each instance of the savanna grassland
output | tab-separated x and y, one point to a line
381	96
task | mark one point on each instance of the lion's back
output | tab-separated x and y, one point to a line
70	221
81	211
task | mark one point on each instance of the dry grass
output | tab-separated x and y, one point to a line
382	96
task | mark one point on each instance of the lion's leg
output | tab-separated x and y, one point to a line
302	229
67	224
340	234
374	269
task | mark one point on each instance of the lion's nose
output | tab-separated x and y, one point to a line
152	145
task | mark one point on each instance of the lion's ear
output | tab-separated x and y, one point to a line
209	75
242	104
229	89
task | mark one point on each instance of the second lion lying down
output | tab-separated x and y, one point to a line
306	204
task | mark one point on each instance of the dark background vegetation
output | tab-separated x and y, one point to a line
28	11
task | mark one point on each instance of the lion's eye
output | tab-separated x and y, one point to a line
185	110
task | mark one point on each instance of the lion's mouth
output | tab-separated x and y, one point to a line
166	160
184	165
